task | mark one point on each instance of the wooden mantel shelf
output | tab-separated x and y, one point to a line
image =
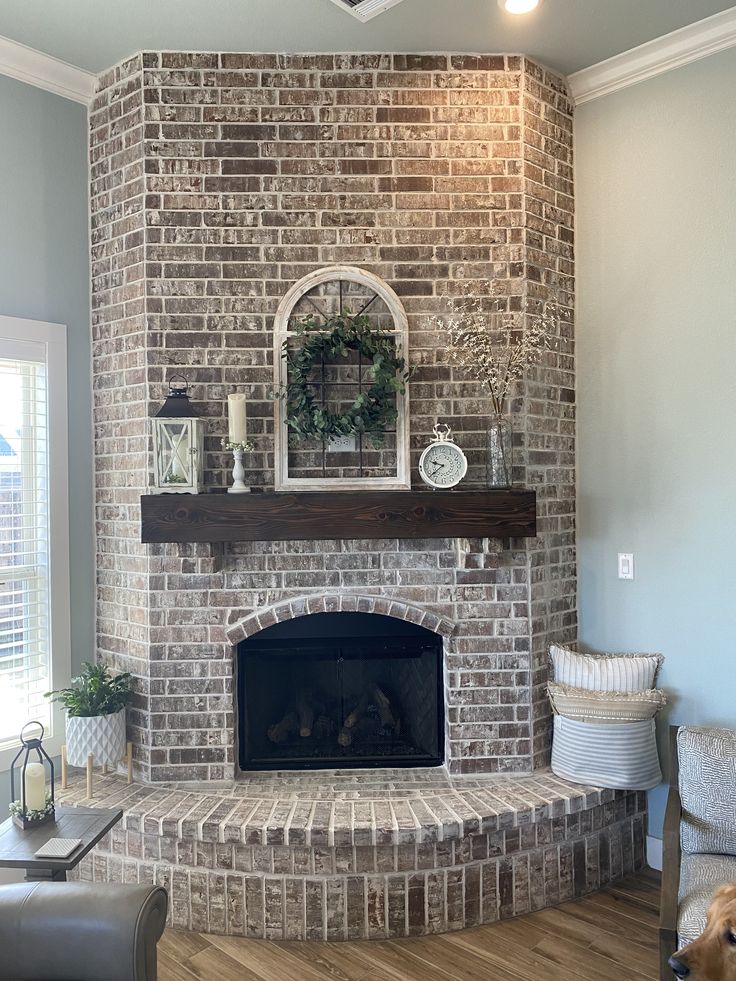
337	514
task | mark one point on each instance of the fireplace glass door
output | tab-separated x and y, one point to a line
340	690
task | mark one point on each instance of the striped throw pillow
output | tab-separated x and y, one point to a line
621	756
605	706
604	672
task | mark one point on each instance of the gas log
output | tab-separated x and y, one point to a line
373	697
299	718
304	716
288	725
308	707
382	702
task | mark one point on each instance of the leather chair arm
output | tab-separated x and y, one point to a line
80	931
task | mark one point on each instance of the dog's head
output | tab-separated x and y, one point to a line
712	957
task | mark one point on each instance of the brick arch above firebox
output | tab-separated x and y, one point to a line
245	625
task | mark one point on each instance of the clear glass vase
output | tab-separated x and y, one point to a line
499	452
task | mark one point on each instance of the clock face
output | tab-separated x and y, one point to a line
443	465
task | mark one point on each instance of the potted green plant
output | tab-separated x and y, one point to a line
95	714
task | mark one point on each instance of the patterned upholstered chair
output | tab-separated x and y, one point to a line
699	833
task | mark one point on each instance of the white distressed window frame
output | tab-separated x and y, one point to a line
282	480
52	337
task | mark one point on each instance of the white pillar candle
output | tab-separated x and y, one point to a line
35	778
236	418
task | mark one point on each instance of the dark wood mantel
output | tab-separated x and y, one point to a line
337	514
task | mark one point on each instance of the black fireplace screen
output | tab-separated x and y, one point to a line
340	690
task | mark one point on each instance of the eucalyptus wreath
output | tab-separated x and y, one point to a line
328	341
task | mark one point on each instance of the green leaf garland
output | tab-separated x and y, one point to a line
328	341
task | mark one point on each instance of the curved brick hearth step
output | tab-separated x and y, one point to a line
342	808
379	854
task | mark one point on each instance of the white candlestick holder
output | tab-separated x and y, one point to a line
237	449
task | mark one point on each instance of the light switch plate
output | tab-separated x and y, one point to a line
625	565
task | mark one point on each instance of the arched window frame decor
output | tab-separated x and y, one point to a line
401	480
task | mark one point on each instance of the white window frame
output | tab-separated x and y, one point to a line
401	480
53	338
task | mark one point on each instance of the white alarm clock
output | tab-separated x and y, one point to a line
443	464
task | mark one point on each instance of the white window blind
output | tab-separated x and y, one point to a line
35	645
25	600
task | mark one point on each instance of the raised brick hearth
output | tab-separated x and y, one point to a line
337	856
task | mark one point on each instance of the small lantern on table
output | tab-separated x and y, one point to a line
178	442
35	806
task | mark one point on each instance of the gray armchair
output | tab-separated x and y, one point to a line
699	851
80	931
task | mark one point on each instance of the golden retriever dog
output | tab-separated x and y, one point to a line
712	957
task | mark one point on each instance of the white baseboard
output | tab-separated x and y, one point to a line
654	853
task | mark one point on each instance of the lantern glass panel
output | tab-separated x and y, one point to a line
178	453
177	457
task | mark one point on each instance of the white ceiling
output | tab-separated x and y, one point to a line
566	34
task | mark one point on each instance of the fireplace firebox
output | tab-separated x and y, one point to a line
340	690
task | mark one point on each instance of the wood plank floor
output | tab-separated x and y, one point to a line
611	933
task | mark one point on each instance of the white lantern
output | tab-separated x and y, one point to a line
178	443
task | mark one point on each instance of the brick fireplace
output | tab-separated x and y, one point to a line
219	180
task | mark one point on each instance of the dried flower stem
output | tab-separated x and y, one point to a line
493	345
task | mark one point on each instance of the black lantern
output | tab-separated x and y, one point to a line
36	805
178	443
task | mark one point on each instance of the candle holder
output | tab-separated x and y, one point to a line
237	450
23	815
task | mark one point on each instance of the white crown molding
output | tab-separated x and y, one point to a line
699	40
368	8
35	68
674	50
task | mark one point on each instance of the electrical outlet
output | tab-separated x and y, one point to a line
342	444
625	565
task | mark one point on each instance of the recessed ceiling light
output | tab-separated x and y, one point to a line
519	6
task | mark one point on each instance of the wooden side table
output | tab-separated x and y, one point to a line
18	848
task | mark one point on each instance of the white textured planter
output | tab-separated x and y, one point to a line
101	735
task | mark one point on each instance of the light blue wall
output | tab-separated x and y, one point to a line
656	200
44	275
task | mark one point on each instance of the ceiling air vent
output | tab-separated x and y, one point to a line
365	9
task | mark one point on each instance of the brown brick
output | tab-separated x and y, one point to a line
445	168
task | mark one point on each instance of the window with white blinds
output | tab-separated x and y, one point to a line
28	379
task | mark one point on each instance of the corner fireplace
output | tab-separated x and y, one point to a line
341	690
